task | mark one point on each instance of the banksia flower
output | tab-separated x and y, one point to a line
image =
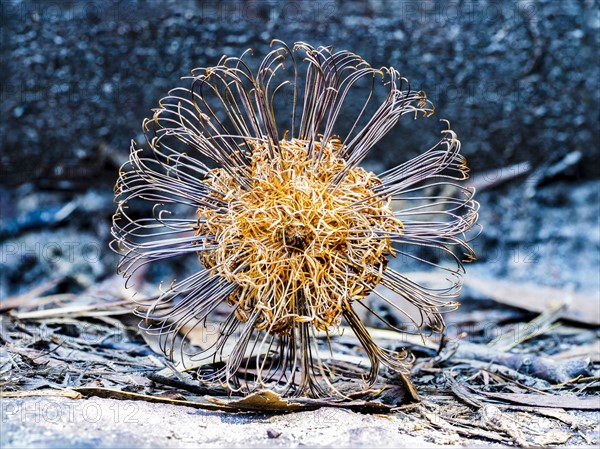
291	233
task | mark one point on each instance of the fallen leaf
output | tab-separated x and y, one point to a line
440	423
548	400
86	310
538	298
552	437
32	393
591	350
28	297
265	400
128	396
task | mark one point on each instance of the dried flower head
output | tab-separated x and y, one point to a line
292	235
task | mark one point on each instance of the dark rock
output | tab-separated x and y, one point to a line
519	81
272	434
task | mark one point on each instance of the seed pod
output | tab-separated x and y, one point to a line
291	233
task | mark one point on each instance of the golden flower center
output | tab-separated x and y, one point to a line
299	246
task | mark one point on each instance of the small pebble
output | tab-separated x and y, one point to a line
273	433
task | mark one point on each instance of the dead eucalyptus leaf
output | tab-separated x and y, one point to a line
264	400
552	437
539	298
547	400
33	393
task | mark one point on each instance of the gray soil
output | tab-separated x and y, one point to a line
104	423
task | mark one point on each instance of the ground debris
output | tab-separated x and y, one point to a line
474	387
536	298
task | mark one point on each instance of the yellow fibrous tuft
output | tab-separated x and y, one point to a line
298	248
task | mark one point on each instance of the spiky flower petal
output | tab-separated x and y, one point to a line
292	235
